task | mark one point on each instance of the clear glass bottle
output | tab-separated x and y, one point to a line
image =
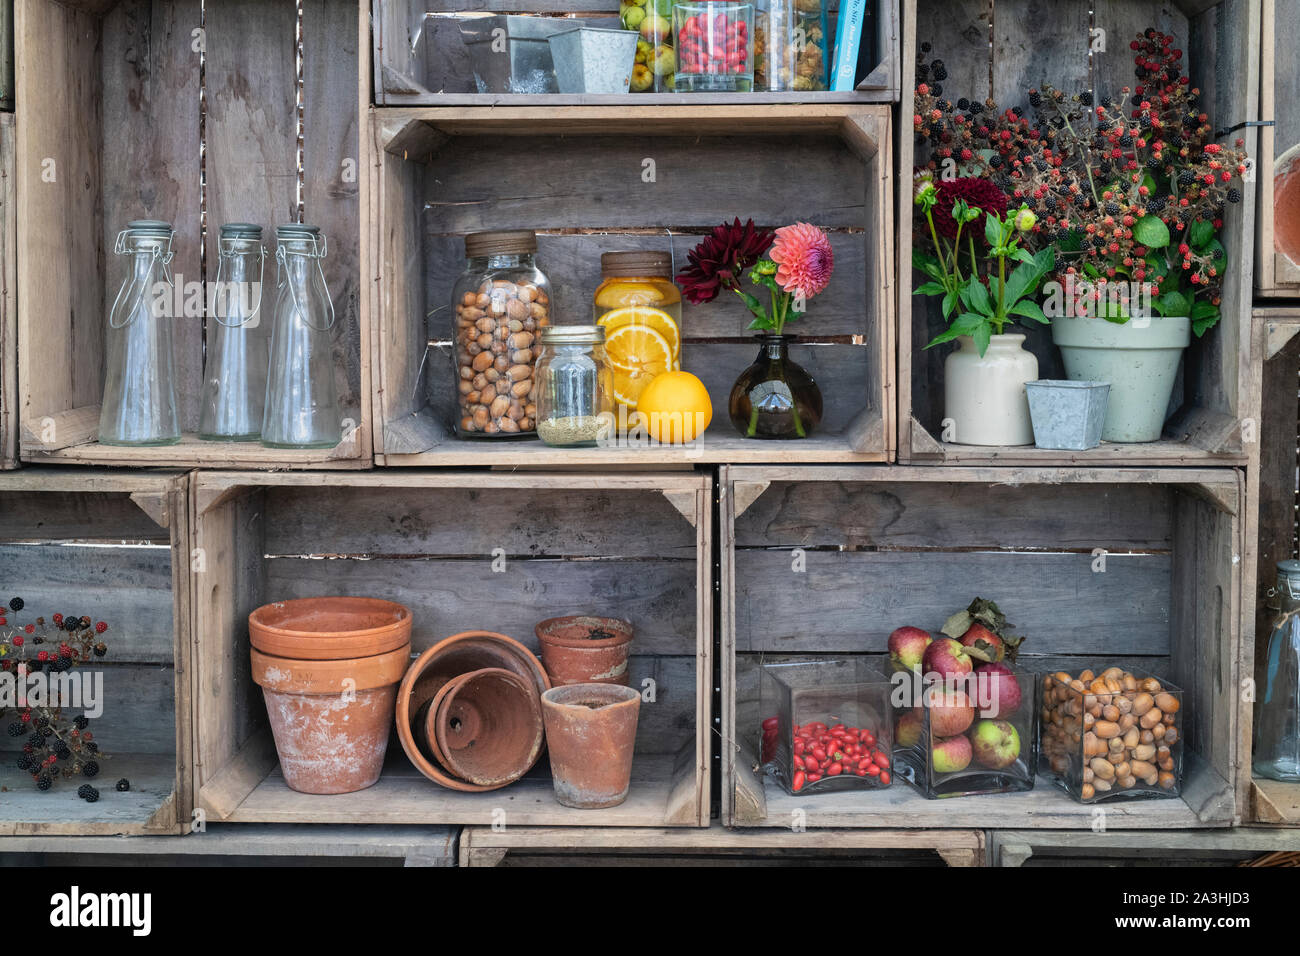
302	409
139	406
502	302
641	311
234	377
575	388
1277	715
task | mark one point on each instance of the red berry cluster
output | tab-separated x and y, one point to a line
713	44
819	751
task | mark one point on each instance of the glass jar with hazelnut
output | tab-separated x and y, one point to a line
502	301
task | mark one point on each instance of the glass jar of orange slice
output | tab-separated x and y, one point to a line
641	312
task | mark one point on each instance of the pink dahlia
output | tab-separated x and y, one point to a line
803	257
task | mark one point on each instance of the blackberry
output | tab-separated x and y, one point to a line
1049	201
1126	140
91	794
1156	204
925	47
1145	120
1017	112
47	731
43	782
62	751
1040	165
71	623
1218	253
1035	99
995	161
1108	102
41	722
16	604
37	639
65	664
1086	97
1186	177
123	785
963	104
1153	163
1234	195
1058	122
977	108
90	747
82	722
1112	208
84	790
935	88
89	768
36	741
25	762
15	729
1175	141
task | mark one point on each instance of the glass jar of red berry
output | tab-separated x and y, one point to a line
715	46
826	725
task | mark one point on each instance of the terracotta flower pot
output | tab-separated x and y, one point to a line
330	719
488	725
591	733
585	650
329	628
459	654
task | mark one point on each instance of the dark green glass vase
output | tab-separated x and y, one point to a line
775	397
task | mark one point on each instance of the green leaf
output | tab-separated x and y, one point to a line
1072	242
1119	318
992	230
982	335
949	303
964	324
976	296
1030	310
1174	304
756	308
1028	275
1157	266
1204	317
1092	270
1023	255
930	288
1200	233
1151	232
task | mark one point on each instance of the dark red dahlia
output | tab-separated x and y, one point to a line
721	258
978	193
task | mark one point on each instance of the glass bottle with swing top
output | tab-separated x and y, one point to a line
139	406
302	409
1277	718
234	376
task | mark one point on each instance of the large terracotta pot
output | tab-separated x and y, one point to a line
590	735
329	628
431	671
585	650
330	719
488	725
984	397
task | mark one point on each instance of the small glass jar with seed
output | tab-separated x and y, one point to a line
575	387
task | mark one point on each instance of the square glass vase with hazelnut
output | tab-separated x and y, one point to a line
966	733
826	725
1113	734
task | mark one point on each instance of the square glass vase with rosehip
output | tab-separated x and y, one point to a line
828	725
1112	734
964	716
715	47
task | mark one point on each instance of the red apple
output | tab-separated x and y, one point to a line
908	729
950	755
907	646
950	713
997	691
946	658
987	645
996	744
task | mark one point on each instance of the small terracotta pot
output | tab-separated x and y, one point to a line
591	734
489	727
330	719
329	628
456	655
585	650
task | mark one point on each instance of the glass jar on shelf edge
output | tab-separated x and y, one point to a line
656	59
715	46
791	46
575	389
501	302
640	310
235	370
1277	719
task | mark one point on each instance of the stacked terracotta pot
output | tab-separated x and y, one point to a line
469	711
329	670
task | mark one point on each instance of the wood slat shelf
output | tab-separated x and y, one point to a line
1275	802
8	296
1017	51
108	110
1149	848
823	562
585	194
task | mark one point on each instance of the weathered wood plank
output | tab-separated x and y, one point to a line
8	284
939	515
475	521
827	608
70	515
25	811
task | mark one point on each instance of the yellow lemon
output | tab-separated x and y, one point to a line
675	407
619	294
657	319
638	353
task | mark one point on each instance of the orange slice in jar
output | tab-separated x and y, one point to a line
637	353
655	319
619	294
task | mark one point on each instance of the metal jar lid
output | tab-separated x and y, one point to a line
149	229
296	230
636	263
516	242
573	335
241	230
1289	568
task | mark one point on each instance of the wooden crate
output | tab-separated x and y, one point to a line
1276	276
1024	49
420	59
717	846
1273	529
430	541
882	547
826	164
1146	848
120	117
118	546
245	844
8	299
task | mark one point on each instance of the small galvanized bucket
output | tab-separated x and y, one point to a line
1067	415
